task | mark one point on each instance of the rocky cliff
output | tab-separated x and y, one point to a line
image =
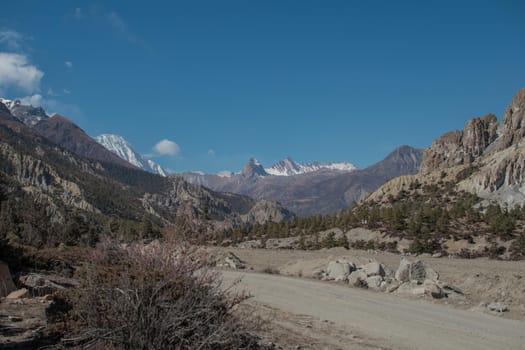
486	158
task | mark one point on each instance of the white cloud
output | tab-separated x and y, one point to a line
33	100
50	92
10	38
16	72
66	91
211	152
167	148
117	22
78	13
69	64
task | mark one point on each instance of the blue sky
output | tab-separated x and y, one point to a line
229	80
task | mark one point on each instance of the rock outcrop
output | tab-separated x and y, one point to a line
486	158
461	147
514	121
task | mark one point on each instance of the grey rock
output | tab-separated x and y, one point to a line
417	271
234	262
431	274
17	294
374	282
403	272
318	274
357	279
499	307
374	269
338	270
433	290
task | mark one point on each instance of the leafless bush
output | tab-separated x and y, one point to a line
271	270
159	296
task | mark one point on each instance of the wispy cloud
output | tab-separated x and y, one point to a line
66	91
68	64
211	152
78	14
11	39
166	148
51	92
18	73
114	20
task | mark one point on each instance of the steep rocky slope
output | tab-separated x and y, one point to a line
42	183
486	158
61	130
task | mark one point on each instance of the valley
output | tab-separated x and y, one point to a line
262	175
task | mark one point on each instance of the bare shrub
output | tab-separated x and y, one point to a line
270	270
156	296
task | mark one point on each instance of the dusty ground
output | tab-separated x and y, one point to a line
316	315
481	280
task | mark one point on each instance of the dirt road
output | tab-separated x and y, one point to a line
376	320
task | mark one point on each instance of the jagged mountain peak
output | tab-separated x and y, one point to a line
253	169
122	148
289	167
28	114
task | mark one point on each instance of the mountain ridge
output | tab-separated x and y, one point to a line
318	192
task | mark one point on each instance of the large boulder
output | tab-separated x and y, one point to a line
431	274
339	270
6	281
374	282
234	262
374	269
403	271
18	294
417	271
357	279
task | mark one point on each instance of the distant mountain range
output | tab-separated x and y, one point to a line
314	188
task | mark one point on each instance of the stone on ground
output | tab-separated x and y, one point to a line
338	270
374	269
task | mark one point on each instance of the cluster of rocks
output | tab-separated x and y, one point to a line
23	310
232	261
411	277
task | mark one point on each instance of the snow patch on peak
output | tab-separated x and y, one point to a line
122	148
225	173
289	167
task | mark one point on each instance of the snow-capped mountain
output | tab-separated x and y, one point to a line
122	148
27	114
289	167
